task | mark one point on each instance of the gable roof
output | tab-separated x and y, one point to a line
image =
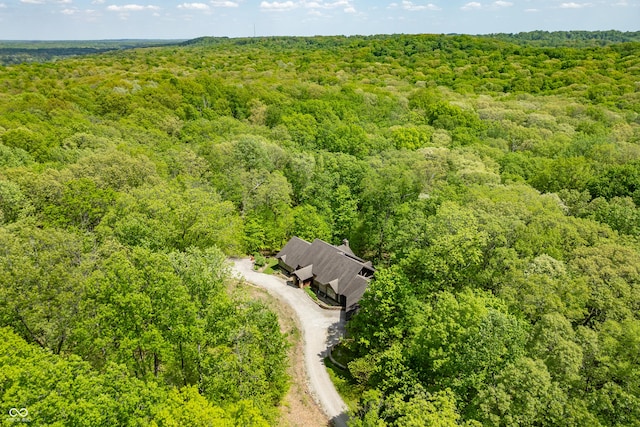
304	273
335	266
293	252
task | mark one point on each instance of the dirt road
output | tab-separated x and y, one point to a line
320	328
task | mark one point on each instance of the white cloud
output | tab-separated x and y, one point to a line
573	5
193	6
326	4
131	8
474	5
3	6
532	10
277	6
498	4
69	11
346	5
283	6
97	1
46	1
409	5
216	3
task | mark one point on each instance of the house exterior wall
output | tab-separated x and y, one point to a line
284	266
326	293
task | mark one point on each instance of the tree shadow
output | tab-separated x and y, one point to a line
293	285
340	420
336	331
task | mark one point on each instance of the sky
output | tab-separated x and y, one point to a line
159	19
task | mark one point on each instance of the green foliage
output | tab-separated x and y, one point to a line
82	204
312	294
259	260
411	138
14	204
56	390
25	139
421	409
388	302
523	395
162	217
452	251
492	180
156	315
308	224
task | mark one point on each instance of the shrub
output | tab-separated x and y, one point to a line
259	260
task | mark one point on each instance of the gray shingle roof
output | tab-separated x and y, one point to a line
304	273
335	266
293	252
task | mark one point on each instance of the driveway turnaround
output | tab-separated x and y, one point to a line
320	329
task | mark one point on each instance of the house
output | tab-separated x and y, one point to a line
335	273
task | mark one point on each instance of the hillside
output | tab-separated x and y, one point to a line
17	51
494	182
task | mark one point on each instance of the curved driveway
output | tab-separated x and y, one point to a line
320	328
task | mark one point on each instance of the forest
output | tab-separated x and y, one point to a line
494	182
18	52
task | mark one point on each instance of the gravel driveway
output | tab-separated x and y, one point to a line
320	329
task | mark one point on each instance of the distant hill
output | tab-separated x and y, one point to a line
19	51
532	38
569	38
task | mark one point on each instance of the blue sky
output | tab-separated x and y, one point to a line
115	19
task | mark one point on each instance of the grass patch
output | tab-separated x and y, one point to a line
312	294
348	389
272	262
264	265
269	267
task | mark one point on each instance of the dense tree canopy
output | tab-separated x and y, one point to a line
494	181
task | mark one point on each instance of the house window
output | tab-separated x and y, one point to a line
322	289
